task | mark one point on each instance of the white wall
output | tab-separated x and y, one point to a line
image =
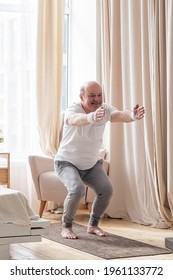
83	45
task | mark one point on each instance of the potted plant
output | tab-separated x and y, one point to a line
1	137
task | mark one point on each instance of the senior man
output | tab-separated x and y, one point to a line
77	160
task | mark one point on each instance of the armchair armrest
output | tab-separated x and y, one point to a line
39	165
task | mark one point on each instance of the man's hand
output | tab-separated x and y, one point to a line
138	112
99	114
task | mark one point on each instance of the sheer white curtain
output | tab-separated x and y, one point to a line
163	131
49	72
169	112
17	87
137	68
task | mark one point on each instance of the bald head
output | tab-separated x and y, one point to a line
91	96
89	85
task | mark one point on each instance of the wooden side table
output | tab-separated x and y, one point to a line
5	169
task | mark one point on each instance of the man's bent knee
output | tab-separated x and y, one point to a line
107	191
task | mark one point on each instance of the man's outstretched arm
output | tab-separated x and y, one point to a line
127	115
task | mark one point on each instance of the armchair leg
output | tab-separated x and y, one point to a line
42	206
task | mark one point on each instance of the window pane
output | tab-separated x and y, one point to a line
17	71
65	64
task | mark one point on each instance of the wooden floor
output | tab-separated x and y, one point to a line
49	250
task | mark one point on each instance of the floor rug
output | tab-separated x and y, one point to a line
109	247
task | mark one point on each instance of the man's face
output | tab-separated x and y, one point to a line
92	99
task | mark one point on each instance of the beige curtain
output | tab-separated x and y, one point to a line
137	59
49	72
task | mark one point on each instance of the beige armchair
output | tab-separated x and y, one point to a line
47	184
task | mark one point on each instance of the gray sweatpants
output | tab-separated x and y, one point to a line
75	180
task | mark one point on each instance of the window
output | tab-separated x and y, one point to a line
17	72
82	46
66	55
17	65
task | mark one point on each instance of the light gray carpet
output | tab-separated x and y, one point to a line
109	247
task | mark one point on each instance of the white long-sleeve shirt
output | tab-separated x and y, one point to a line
80	145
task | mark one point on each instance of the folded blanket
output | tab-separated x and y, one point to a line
14	208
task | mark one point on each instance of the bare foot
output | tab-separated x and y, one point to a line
96	230
68	233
